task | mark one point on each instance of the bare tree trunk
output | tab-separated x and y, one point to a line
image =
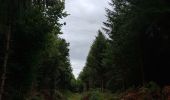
3	77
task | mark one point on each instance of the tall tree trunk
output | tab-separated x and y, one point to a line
143	77
3	77
102	85
142	71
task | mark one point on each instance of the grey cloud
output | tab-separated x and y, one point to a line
79	51
77	66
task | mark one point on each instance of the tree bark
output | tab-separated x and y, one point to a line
3	77
102	85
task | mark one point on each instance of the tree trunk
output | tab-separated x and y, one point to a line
143	77
3	77
142	72
102	85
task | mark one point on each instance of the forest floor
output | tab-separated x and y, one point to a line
75	96
95	95
150	92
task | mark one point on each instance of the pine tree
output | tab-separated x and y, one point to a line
93	73
27	29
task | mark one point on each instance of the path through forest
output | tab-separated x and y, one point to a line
75	96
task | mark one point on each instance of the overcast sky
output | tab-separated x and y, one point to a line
86	17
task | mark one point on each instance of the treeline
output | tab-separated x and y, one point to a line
34	59
137	50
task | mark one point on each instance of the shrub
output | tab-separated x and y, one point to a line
152	86
95	95
37	97
92	95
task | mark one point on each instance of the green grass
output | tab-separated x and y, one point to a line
96	95
74	96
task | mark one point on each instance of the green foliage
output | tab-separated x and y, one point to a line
125	60
135	51
59	96
38	58
94	67
36	98
128	25
95	95
153	87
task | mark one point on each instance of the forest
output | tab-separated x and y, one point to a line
128	60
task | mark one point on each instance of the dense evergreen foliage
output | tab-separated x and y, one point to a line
93	72
137	50
35	61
